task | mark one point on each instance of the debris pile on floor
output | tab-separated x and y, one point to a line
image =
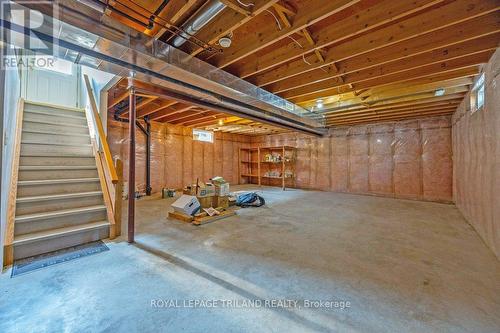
206	202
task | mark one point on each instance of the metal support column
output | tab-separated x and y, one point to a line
131	167
148	155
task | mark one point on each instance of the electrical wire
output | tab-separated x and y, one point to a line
277	21
246	4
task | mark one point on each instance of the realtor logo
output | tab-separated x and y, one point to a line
24	27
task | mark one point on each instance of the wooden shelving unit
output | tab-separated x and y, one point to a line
268	164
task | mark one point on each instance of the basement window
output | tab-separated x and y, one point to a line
477	95
201	135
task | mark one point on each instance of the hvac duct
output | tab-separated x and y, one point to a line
96	5
200	19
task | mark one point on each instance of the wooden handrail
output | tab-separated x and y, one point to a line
100	130
11	205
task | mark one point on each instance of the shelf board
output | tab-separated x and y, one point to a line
249	162
249	176
276	162
277	177
277	148
249	148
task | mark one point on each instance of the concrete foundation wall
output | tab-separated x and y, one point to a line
476	164
410	159
176	159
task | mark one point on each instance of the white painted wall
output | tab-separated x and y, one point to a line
49	86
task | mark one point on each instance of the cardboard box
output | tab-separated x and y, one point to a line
220	201
205	202
222	189
207	190
204	190
186	204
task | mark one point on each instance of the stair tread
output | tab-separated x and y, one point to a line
53	123
52	233
57	181
75	116
58	196
55	133
27	103
57	213
53	155
56	144
56	167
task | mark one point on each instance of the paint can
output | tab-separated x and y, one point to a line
167	193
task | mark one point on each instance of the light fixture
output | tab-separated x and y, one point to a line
221	122
225	42
439	92
319	103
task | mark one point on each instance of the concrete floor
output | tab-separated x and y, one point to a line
404	266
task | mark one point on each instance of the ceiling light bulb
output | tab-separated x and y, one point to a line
319	103
221	122
439	92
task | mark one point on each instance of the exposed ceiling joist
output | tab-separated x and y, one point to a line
366	18
450	14
311	12
489	42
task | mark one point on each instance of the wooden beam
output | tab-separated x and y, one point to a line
178	108
283	17
428	100
453	13
115	99
285	8
309	13
204	122
399	90
489	42
400	110
155	108
413	93
197	117
237	7
174	119
447	37
144	102
389	117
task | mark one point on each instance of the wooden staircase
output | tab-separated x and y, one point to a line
61	192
